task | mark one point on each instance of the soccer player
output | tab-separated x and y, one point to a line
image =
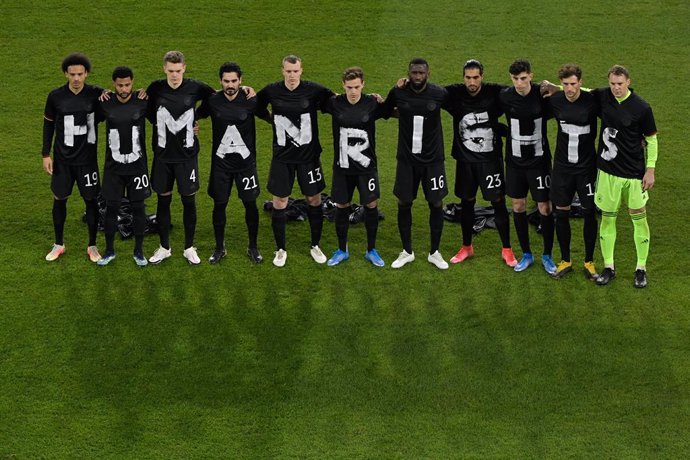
354	164
171	110
528	160
420	157
126	167
628	131
574	168
233	157
296	150
477	147
70	116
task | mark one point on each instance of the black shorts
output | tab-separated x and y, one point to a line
564	185
344	187
282	176
536	181
487	176
221	179
186	174
65	175
432	177
136	185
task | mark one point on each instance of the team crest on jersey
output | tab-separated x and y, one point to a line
431	106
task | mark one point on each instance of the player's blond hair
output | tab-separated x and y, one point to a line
619	70
174	57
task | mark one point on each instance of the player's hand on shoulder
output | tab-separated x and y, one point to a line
48	165
378	97
401	83
105	95
548	89
249	91
142	94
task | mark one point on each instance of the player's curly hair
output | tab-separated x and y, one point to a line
122	72
76	59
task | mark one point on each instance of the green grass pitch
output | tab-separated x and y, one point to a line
242	361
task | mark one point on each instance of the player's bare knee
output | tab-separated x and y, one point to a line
544	208
313	200
343	205
372	204
280	202
519	205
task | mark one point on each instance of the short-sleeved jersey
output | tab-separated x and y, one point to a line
476	130
295	123
125	129
577	130
172	112
420	134
234	130
76	135
527	145
354	133
623	128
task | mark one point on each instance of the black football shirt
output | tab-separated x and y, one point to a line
172	113
420	134
527	145
577	130
76	134
623	128
234	130
125	129
476	129
354	133
295	123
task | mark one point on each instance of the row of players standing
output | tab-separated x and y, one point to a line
475	106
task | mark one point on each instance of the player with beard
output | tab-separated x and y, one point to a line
354	164
574	168
171	109
70	116
233	157
528	160
420	157
477	147
296	150
126	167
